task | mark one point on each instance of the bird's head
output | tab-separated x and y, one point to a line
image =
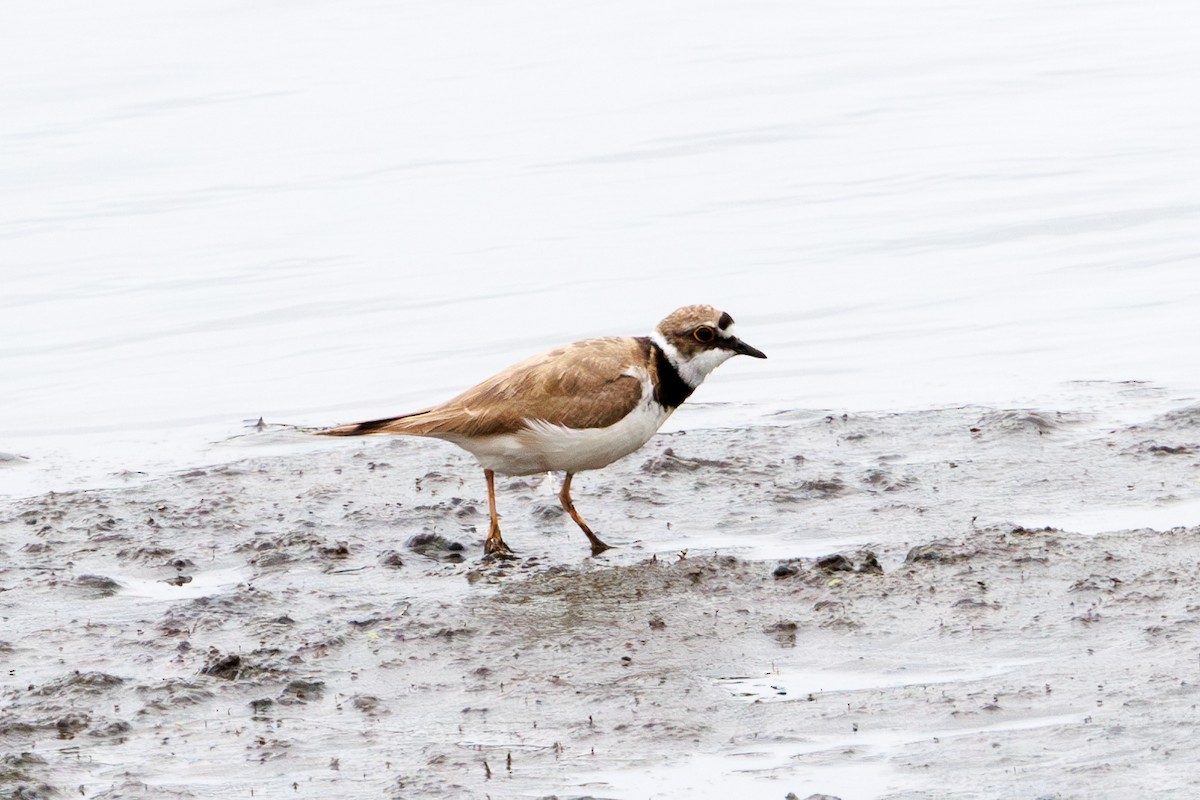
698	339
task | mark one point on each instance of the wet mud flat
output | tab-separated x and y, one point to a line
863	606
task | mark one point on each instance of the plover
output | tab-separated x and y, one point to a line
577	407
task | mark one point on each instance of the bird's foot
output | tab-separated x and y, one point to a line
598	546
495	548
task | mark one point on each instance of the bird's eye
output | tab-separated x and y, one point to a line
704	334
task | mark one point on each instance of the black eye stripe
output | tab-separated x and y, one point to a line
723	343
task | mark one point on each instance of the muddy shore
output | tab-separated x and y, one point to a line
884	605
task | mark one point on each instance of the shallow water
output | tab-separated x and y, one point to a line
204	584
795	680
1171	513
856	767
316	215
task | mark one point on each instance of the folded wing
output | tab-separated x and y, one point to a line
588	384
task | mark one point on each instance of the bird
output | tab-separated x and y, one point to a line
577	407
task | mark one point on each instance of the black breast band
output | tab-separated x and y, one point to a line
671	390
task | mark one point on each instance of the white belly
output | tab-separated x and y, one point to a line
543	447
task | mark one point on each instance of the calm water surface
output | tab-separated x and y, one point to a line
323	212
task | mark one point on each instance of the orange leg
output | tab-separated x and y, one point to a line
568	505
494	544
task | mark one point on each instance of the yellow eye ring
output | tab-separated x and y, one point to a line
704	334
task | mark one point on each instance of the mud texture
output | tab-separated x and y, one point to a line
872	606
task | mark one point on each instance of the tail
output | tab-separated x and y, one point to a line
402	424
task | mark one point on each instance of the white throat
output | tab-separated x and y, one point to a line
693	370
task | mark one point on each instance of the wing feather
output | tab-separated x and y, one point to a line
588	384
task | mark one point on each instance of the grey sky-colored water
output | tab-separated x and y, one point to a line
327	212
